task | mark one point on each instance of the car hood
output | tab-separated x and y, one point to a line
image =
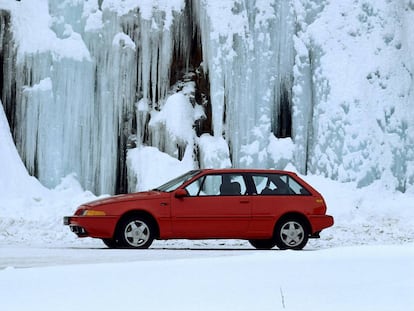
147	195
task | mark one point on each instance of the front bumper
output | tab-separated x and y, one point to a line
91	226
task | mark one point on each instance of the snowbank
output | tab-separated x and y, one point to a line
368	216
160	169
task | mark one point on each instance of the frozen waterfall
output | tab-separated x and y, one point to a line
103	88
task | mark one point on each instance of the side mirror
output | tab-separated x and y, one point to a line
181	193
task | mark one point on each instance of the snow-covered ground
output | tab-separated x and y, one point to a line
340	278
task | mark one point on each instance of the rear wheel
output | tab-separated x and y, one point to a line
136	232
263	244
291	233
111	243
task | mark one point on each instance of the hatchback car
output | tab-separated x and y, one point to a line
267	207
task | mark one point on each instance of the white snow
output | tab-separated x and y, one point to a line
359	89
355	278
124	41
14	175
178	116
214	151
162	168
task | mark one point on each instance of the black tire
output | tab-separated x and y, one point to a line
263	244
111	243
291	233
136	232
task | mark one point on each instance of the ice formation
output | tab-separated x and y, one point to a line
103	88
14	175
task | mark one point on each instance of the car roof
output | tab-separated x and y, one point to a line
246	170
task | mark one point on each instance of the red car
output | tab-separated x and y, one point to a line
267	207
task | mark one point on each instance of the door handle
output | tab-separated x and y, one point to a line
244	201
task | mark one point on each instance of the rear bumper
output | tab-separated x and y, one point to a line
91	226
320	222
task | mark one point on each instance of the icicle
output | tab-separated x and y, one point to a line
248	53
303	100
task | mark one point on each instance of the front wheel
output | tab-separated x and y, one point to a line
136	232
291	234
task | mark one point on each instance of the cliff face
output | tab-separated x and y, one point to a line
87	86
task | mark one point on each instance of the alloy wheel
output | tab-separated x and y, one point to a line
137	233
292	234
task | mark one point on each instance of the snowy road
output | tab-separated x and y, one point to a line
344	278
91	251
28	257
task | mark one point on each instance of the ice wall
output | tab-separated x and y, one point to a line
248	53
77	82
354	83
43	74
14	176
92	87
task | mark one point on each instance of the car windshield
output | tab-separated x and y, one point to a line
177	182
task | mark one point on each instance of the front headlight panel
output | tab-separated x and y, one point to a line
85	211
91	212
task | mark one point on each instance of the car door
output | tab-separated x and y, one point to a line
276	194
216	207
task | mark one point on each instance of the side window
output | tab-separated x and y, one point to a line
296	188
276	184
260	181
211	185
215	185
232	184
194	188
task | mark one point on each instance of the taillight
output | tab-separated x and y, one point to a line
320	207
